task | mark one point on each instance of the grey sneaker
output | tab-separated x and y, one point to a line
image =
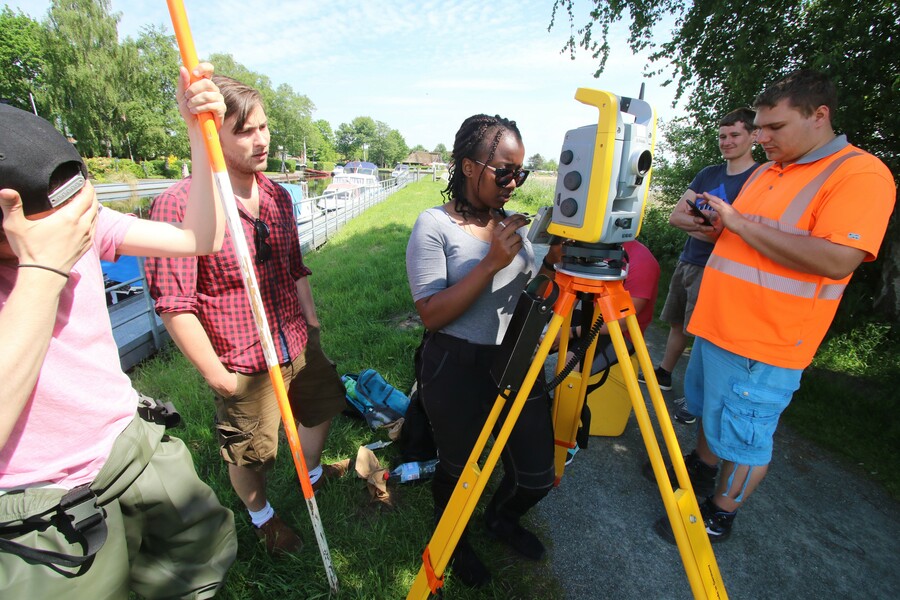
681	414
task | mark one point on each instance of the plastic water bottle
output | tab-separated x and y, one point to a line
349	385
412	471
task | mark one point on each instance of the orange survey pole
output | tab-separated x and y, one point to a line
223	183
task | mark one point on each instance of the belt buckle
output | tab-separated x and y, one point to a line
79	507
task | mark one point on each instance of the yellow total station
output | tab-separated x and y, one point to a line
604	171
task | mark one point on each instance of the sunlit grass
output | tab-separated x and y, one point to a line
363	300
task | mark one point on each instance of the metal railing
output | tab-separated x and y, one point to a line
140	333
115	192
316	226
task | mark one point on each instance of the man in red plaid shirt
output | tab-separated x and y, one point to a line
205	308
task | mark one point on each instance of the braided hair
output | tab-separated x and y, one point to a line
477	134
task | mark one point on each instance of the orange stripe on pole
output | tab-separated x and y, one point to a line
291	432
190	60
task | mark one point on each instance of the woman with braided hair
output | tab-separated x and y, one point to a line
467	262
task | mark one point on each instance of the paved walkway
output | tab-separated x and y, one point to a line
816	528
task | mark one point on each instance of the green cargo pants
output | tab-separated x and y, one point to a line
168	535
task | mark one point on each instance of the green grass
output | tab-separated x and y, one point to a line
847	403
368	320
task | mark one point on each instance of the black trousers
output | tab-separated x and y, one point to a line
458	392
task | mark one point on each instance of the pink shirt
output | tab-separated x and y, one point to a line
642	280
82	400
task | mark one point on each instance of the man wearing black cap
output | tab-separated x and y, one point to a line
95	499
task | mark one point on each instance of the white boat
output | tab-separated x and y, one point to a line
304	211
355	183
401	171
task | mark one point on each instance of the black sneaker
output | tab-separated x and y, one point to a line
681	414
702	476
515	536
718	523
663	378
467	567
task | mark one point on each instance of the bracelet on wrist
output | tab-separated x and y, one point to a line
44	267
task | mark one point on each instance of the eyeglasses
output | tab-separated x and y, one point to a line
502	175
260	235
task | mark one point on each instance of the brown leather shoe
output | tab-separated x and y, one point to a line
279	538
332	471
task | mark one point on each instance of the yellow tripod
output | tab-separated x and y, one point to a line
611	302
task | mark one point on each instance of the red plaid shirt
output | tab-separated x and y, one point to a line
212	287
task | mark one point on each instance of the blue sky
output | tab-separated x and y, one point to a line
421	67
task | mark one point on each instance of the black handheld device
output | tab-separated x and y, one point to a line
698	213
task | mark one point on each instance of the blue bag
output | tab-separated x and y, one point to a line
374	399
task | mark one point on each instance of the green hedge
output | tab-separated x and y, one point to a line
107	170
273	164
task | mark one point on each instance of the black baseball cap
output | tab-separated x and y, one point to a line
36	161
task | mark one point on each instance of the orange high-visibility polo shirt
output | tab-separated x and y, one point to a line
760	309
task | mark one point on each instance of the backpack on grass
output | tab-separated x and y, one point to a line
372	398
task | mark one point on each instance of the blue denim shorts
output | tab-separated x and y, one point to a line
739	399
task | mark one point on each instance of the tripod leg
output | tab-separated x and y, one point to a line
473	479
569	399
681	505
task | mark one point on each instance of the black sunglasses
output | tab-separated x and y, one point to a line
260	235
502	175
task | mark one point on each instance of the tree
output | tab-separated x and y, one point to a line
388	146
398	148
724	53
324	151
22	56
290	115
350	137
442	150
535	162
152	124
83	65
